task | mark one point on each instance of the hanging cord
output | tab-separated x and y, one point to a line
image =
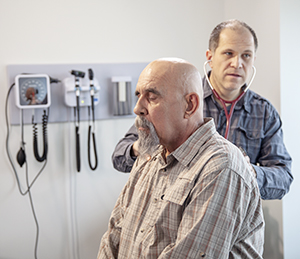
77	125
78	164
77	74
22	148
94	146
91	107
21	158
34	214
35	138
74	235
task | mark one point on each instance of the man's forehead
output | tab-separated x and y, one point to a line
241	37
154	77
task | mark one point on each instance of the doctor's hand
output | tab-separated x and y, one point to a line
248	161
134	149
251	167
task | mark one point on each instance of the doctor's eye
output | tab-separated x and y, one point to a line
228	53
247	55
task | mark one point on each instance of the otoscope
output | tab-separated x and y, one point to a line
78	75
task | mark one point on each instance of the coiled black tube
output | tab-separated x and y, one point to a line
45	139
95	149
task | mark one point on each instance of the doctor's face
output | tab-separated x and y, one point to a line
232	61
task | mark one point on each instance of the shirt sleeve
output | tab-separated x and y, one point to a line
222	220
274	175
121	157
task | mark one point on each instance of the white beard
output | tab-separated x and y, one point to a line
148	141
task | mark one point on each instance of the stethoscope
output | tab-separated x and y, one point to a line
233	103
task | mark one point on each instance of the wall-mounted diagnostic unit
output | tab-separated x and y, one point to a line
70	96
32	91
79	93
74	94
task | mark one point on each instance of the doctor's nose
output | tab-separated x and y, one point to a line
139	108
236	62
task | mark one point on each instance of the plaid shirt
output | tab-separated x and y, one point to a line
202	202
255	127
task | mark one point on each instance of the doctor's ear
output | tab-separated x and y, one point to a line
192	104
209	56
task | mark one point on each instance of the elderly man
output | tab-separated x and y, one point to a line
255	125
190	193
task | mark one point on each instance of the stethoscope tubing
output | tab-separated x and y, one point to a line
223	102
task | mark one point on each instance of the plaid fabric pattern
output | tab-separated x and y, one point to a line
255	127
201	202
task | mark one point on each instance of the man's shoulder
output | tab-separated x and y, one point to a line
224	157
256	99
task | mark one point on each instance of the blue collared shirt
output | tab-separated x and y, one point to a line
256	127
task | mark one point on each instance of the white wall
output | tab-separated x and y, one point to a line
264	18
290	92
97	31
82	31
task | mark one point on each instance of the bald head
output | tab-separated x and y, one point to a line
175	74
170	96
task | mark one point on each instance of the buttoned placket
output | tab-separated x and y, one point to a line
156	201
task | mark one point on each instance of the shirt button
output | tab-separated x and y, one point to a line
142	230
148	158
155	200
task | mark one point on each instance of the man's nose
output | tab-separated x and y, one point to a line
237	62
140	108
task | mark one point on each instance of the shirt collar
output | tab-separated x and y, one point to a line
188	150
244	102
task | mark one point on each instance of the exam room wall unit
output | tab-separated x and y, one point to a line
73	208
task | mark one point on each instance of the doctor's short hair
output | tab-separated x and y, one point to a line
232	24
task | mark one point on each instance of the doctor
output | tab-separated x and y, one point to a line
255	125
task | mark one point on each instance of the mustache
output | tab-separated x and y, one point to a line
142	122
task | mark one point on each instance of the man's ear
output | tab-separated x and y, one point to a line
192	104
209	56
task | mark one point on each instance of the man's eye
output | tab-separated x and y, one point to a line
228	53
247	55
152	98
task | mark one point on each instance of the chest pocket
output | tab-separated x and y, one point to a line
179	192
250	140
